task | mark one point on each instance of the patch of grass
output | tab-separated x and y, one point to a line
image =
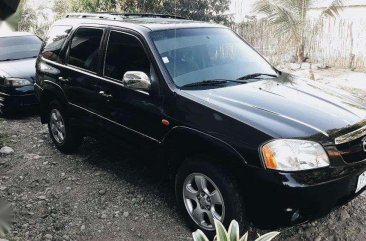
4	139
8	237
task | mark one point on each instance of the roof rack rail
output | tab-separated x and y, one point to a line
150	15
120	16
93	15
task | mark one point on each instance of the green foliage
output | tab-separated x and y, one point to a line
34	20
14	19
292	15
94	5
202	10
231	235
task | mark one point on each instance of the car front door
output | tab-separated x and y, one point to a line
138	114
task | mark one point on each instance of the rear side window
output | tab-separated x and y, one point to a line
124	53
84	48
54	41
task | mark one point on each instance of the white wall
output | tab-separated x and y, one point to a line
4	27
349	12
240	8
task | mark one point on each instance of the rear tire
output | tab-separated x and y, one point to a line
220	187
65	137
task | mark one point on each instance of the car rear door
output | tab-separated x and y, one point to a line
137	114
80	75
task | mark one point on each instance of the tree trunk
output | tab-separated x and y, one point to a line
300	53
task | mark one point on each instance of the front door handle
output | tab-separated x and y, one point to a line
102	93
63	80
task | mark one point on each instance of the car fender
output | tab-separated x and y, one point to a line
50	91
181	142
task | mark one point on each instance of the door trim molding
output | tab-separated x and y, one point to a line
116	123
91	75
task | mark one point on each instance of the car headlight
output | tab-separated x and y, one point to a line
293	155
17	82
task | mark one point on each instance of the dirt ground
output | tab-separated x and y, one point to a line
110	192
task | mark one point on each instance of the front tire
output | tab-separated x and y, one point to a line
66	138
206	191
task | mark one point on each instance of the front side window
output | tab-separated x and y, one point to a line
22	47
54	41
124	53
84	48
194	55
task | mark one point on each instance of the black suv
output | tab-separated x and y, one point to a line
242	140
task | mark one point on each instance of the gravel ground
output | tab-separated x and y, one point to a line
110	192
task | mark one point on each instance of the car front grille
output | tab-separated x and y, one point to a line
352	151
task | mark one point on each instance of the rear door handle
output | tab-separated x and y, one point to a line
63	80
102	93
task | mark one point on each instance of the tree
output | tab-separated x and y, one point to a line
202	10
62	7
34	19
95	5
14	19
291	16
205	10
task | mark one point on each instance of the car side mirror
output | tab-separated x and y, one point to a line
136	80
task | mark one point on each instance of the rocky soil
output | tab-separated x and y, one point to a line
110	192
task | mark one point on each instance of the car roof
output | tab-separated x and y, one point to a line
15	34
139	22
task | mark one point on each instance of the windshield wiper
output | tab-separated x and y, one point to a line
207	82
256	75
213	82
9	59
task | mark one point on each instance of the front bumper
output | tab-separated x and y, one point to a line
278	199
17	99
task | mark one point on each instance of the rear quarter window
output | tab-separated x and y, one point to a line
54	42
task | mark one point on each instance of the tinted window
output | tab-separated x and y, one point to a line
124	53
84	48
12	48
54	41
193	55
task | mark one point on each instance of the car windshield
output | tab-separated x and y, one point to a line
22	47
200	54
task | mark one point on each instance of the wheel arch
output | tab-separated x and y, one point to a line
183	142
50	92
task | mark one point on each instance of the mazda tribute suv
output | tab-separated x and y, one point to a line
240	139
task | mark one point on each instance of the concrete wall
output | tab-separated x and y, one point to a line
348	12
4	27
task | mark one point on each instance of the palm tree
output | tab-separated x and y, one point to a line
291	16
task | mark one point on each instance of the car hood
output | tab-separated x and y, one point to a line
287	107
24	68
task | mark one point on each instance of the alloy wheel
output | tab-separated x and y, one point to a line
203	200
57	126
